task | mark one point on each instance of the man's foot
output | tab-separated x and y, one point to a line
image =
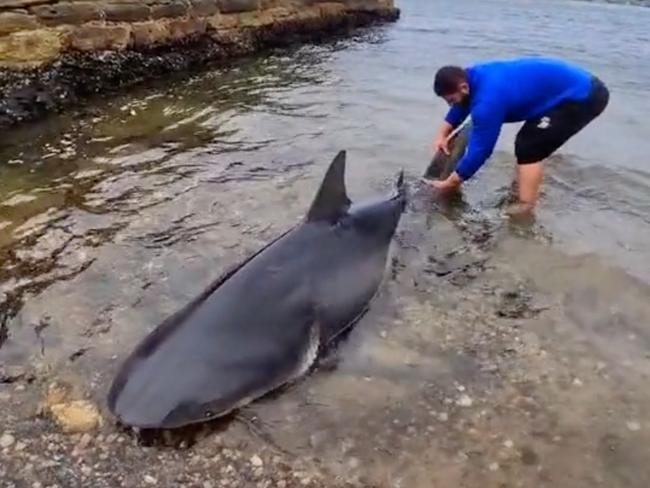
521	214
520	209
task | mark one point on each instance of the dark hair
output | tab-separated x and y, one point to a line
447	80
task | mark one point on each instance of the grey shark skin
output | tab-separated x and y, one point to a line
442	165
267	322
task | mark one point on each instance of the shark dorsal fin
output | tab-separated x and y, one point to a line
331	201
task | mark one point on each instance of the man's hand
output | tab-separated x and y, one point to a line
441	141
447	185
441	144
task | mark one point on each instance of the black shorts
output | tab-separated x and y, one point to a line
540	137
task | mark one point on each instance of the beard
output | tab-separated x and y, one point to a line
465	101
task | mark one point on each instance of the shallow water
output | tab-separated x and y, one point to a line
494	354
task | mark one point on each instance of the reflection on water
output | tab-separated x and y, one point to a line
494	352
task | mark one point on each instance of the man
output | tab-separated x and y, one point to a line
554	98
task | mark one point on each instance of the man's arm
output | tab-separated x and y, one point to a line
456	115
452	120
486	127
440	141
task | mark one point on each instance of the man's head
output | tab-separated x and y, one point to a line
451	84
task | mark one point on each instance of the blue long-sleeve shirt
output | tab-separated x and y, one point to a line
512	91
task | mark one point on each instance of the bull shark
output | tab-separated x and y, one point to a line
267	322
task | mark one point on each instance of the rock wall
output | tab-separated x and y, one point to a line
54	53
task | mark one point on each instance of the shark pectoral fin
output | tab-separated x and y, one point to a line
331	201
308	354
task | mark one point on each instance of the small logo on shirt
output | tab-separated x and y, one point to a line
544	123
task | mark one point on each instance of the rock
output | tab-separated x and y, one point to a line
76	416
255	19
13	22
443	417
159	32
354	463
494	467
6	440
20	3
317	439
30	48
150	480
127	12
67	12
528	456
57	86
84	442
149	33
223	22
490	368
281	13
331	9
256	461
509	444
236	6
308	14
97	37
183	28
368	5
464	401
169	9
56	393
12	374
204	8
633	426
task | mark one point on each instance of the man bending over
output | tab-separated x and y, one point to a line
555	99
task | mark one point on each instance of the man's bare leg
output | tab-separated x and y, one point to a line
529	182
513	197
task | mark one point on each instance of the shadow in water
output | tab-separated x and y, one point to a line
187	436
180	438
